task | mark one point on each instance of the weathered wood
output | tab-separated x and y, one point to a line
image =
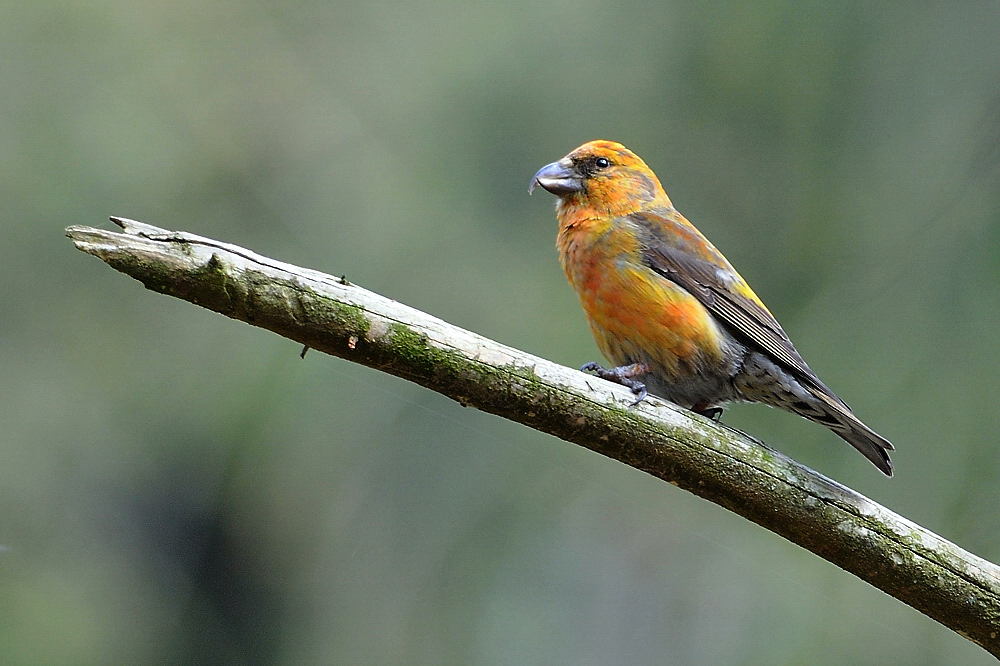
956	588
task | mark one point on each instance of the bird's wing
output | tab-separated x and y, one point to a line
719	288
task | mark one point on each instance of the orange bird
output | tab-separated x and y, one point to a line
668	309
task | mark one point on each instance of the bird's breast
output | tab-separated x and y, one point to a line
635	314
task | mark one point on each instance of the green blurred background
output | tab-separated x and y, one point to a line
179	488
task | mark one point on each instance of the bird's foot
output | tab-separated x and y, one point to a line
713	413
624	375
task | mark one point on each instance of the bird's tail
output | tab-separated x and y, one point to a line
839	418
801	392
872	445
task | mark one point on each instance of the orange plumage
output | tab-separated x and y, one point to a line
668	309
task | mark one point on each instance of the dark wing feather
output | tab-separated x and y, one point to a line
672	250
743	316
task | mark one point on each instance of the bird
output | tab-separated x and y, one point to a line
667	308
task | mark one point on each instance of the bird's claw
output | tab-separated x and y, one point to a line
638	389
622	375
711	413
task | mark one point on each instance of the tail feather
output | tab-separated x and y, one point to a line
839	418
871	445
763	380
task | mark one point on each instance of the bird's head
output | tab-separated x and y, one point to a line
601	175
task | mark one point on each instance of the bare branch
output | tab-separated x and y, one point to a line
329	314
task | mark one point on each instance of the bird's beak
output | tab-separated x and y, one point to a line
559	178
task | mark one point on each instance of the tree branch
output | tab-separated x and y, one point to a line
914	565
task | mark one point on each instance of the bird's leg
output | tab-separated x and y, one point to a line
624	375
713	413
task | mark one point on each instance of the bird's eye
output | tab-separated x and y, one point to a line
602	163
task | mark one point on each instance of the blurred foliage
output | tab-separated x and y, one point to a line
182	489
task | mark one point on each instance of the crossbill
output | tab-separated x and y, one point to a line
668	310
